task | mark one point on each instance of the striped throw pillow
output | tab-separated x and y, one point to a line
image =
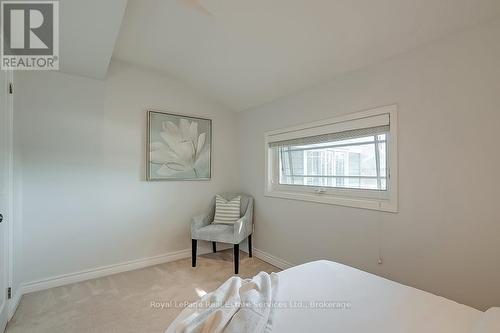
227	212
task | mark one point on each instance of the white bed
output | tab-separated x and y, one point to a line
377	304
325	296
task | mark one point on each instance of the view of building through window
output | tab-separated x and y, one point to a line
358	163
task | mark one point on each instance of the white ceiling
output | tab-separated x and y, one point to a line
250	52
88	31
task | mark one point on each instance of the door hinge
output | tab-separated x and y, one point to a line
10	88
9	293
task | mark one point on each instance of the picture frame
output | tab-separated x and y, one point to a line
178	147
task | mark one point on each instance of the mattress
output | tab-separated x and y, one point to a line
324	296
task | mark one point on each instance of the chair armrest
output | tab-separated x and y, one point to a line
242	228
200	221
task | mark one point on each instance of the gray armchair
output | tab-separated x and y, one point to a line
202	228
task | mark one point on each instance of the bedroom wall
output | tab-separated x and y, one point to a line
80	155
446	237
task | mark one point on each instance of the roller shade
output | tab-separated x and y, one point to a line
369	126
358	133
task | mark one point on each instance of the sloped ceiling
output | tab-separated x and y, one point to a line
248	52
88	32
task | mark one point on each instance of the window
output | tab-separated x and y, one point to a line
349	160
354	163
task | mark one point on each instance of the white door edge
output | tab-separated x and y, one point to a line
7	209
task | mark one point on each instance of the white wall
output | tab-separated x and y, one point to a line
80	169
446	237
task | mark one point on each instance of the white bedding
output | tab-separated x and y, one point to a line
325	296
238	306
377	305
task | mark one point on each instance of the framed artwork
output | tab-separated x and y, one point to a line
179	147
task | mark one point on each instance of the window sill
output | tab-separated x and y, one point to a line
363	203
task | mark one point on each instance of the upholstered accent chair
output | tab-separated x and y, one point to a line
202	228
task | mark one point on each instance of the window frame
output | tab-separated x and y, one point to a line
359	198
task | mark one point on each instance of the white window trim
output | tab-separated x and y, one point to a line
367	199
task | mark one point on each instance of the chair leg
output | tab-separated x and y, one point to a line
214	247
193	252
236	258
250	246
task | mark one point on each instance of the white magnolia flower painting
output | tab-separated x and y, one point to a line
179	147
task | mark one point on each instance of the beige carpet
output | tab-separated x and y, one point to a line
122	302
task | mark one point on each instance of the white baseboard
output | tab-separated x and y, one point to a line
14	303
64	279
61	280
3	316
275	261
